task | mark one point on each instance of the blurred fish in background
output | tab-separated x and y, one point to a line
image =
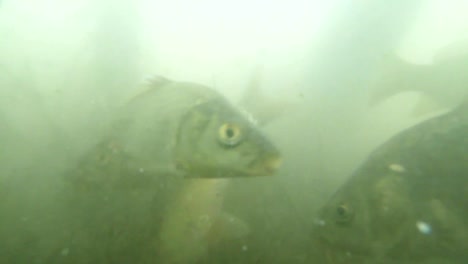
442	84
26	124
53	109
342	61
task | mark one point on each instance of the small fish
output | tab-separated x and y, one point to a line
408	203
177	128
442	85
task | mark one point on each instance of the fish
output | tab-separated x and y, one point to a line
196	222
157	176
178	129
441	85
407	202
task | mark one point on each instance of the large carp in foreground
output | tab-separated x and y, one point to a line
152	188
408	203
178	128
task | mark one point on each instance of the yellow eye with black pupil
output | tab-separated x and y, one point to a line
229	134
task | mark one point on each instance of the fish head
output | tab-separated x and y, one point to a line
366	219
214	140
340	228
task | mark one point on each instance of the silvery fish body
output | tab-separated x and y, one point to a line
408	203
126	199
177	128
196	221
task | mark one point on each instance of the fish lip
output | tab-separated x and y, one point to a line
266	166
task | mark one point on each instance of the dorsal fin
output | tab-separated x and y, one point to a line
396	75
149	85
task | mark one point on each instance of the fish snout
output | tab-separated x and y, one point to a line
267	165
273	163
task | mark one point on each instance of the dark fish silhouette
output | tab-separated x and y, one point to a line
408	203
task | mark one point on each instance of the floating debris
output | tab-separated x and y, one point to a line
396	168
65	252
423	227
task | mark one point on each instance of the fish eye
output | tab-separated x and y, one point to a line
344	213
229	134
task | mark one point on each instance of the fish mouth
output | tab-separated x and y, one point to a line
267	166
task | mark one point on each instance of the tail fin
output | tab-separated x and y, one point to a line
393	76
426	105
463	107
